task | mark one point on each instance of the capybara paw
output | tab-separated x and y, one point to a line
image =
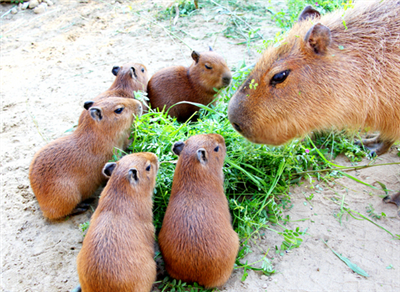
376	146
81	208
387	199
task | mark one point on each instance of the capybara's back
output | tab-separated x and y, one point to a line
195	84
68	170
197	241
118	250
329	71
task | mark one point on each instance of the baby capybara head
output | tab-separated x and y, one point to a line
135	171
112	114
204	153
287	91
210	70
130	76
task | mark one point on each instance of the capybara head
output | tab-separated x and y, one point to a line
111	115
210	70
201	154
136	170
273	105
131	76
323	75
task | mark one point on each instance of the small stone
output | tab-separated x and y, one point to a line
25	5
14	10
33	4
49	2
83	1
41	8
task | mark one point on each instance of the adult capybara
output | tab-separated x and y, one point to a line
197	241
68	170
194	84
118	250
326	74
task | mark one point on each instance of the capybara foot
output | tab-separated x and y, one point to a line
395	199
376	145
82	207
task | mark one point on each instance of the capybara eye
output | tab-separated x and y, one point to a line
208	67
143	70
119	110
279	77
148	168
216	149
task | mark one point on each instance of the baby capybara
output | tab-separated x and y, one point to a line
68	170
194	84
325	74
118	250
130	77
197	241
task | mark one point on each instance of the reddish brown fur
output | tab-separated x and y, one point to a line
125	84
355	83
68	170
195	84
118	250
197	240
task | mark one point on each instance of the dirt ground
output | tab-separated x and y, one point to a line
52	62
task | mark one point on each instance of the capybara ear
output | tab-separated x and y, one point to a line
178	147
319	38
308	12
109	168
132	176
210	48
195	56
115	70
133	72
96	113
202	155
88	104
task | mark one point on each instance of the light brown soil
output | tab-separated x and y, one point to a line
52	62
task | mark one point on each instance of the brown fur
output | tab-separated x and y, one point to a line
125	83
342	78
195	84
355	83
118	250
68	170
197	240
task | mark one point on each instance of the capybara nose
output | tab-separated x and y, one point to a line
226	80
237	127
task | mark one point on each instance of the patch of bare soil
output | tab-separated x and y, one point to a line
52	62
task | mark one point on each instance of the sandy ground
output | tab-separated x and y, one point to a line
51	63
